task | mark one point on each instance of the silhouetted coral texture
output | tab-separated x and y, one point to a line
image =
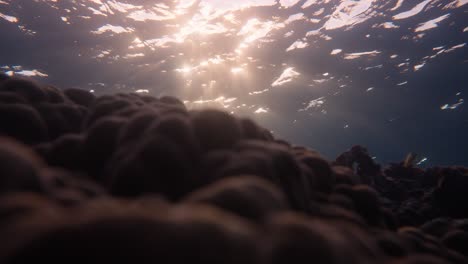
135	179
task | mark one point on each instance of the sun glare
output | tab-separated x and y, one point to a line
237	70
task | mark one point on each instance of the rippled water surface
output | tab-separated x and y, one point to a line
390	75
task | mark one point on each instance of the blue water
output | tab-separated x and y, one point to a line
389	75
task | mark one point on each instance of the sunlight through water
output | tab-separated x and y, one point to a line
320	63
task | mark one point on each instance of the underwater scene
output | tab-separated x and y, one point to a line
253	132
389	75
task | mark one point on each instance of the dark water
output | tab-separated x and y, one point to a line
390	75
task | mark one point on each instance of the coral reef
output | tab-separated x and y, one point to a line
138	179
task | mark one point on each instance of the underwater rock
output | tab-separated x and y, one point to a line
134	178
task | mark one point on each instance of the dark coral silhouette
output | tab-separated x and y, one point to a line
136	179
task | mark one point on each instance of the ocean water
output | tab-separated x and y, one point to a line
388	75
